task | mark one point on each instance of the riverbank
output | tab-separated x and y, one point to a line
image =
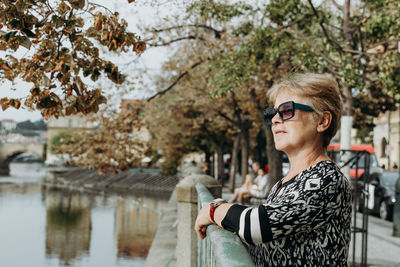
132	181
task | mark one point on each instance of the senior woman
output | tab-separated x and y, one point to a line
306	218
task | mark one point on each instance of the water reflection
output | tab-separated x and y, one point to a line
69	228
68	225
135	226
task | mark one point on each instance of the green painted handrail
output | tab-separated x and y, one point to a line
221	248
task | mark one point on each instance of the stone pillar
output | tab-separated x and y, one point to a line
186	248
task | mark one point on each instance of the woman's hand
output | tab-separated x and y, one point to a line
202	221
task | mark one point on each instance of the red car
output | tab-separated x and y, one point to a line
335	154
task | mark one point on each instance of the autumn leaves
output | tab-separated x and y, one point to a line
62	51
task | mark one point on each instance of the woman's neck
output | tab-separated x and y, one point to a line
304	159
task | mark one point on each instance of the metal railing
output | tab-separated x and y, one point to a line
220	248
360	190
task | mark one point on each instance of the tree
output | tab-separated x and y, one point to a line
113	146
206	43
356	47
40	125
356	43
61	51
26	125
61	139
183	121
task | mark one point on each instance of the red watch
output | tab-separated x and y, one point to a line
214	205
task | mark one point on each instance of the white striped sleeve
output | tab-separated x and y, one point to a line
251	224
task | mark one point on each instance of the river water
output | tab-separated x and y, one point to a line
41	227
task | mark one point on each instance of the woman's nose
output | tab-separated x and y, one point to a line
276	118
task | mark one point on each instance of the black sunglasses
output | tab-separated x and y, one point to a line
285	111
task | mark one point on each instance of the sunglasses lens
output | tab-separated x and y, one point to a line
286	111
269	113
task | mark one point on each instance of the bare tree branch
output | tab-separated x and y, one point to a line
176	40
227	118
321	23
347	27
217	32
340	7
95	4
237	110
176	81
316	49
363	37
257	103
352	51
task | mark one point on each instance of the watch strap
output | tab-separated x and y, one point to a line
214	205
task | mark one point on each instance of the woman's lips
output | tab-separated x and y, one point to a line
279	132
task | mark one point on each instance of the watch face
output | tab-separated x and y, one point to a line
219	200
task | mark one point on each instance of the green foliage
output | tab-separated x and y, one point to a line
297	39
366	134
284	11
219	11
62	138
28	125
170	165
64	217
231	70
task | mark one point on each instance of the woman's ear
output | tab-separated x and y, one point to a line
324	121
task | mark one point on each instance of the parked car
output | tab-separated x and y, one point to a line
382	193
335	154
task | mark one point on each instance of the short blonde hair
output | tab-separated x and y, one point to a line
322	90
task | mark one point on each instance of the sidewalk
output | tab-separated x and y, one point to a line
383	249
162	251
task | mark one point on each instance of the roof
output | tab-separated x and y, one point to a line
7	120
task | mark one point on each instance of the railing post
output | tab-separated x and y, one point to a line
396	210
186	248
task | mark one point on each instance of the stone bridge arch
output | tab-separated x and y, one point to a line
8	151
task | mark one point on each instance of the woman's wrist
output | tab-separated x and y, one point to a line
213	206
221	212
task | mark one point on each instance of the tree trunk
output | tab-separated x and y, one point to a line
274	159
208	162
220	161
234	163
347	118
244	144
260	146
346	125
212	165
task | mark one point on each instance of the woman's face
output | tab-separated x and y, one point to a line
297	133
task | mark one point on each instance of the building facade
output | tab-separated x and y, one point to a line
387	139
8	125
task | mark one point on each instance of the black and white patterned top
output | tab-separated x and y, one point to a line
304	222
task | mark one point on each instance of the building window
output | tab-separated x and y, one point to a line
383	147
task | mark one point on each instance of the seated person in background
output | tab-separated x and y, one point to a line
254	168
254	188
261	181
239	192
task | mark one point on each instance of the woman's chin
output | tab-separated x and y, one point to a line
280	146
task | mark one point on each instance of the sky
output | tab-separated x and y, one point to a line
138	12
